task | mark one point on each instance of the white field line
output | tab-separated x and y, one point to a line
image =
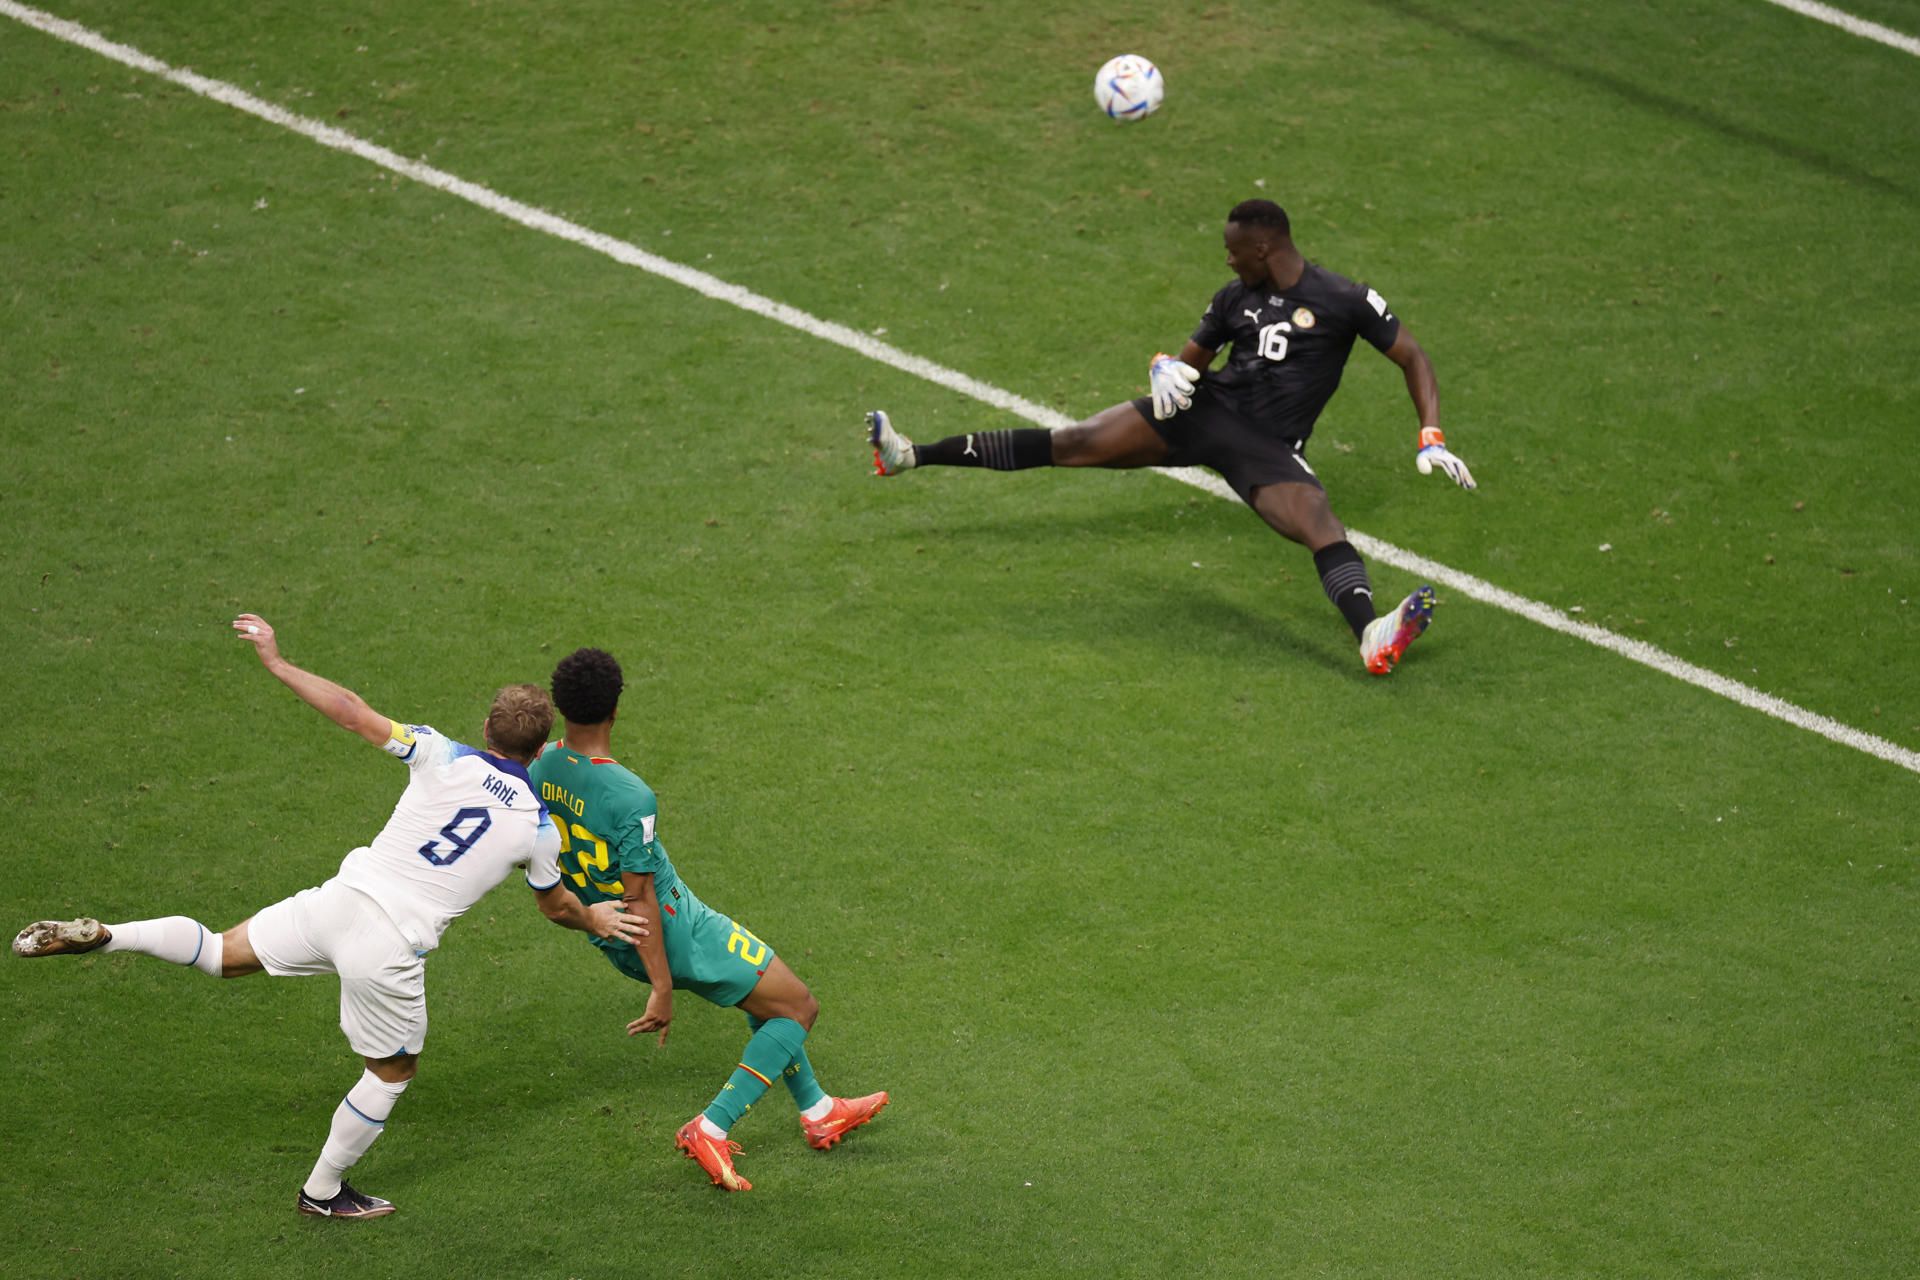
720	290
1637	650
1854	26
536	219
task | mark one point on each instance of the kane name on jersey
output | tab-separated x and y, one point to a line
466	819
1290	346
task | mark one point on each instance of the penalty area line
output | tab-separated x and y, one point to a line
1626	646
711	286
1851	25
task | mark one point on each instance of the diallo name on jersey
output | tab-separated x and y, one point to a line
554	793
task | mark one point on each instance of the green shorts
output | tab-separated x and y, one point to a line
711	955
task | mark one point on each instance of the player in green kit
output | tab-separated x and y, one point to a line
610	850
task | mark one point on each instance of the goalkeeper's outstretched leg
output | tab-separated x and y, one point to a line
1118	438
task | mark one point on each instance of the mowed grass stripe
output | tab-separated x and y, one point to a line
720	290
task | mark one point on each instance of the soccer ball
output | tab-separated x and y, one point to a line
1129	87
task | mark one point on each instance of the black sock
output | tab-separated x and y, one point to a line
1344	574
1012	450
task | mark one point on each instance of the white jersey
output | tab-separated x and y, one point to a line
466	819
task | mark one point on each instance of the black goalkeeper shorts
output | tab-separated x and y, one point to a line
1212	435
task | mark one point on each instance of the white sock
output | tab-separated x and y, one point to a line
357	1121
711	1129
818	1111
175	939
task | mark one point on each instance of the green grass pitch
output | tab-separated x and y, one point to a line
1183	948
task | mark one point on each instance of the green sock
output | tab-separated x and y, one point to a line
799	1074
773	1048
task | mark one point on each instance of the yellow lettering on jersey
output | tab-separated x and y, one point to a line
557	794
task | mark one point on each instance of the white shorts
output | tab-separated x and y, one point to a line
383	981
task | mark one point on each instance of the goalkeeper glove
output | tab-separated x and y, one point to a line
1433	453
1172	383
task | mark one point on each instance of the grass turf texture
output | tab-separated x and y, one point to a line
1111	867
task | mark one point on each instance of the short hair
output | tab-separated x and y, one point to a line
519	720
586	686
1261	213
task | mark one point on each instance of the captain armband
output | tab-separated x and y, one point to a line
402	739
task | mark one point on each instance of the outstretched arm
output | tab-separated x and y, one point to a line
602	919
336	702
1421	384
1424	389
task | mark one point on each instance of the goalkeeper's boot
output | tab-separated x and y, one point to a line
847	1115
892	452
346	1203
60	937
1386	638
715	1155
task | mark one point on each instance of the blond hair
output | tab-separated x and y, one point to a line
519	720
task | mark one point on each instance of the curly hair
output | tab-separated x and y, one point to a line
1261	213
586	686
519	720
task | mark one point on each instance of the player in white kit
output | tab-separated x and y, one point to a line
468	817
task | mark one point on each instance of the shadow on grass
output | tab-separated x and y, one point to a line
1175	621
1297	625
1651	100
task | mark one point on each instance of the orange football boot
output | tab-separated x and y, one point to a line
847	1115
715	1155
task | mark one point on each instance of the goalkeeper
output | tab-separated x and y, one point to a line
1291	324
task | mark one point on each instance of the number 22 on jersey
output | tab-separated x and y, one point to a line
588	857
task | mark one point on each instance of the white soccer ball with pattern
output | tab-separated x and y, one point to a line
1129	87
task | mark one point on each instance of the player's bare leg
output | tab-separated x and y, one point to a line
237	958
781	994
1302	513
1118	437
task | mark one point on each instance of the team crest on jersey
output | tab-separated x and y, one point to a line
1303	318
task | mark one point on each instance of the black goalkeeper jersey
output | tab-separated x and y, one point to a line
1290	348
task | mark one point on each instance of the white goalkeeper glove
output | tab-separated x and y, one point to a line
1434	453
1172	383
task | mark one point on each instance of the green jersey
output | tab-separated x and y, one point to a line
607	818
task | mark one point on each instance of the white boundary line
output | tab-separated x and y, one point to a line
1853	26
720	290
